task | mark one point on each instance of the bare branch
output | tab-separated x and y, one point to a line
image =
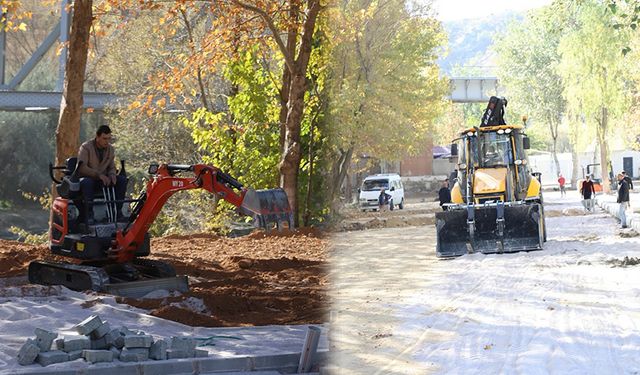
288	59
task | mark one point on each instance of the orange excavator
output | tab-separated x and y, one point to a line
110	250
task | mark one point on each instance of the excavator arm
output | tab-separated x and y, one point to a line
267	207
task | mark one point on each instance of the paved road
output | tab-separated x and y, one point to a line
397	309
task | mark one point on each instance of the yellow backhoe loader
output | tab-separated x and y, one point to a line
496	199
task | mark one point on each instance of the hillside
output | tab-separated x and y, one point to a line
470	40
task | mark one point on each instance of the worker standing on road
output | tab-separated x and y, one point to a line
586	191
623	199
444	194
561	182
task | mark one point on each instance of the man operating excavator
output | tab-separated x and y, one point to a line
98	170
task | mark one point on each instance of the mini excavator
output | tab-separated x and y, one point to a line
497	201
110	251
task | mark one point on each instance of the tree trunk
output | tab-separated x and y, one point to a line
575	163
604	154
339	173
291	155
68	130
307	205
555	156
290	162
292	38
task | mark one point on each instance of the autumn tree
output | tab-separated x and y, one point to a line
528	60
594	73
384	89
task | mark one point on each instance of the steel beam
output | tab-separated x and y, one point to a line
34	59
473	89
64	38
50	101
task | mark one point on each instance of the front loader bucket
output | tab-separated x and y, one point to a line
521	229
453	238
269	208
524	228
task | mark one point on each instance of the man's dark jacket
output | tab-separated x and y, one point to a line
623	191
587	189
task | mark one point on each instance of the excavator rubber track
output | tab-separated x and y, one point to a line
521	229
150	275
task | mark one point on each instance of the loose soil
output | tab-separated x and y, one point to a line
260	279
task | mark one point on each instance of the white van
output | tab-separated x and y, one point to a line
370	191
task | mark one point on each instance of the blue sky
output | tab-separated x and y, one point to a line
450	10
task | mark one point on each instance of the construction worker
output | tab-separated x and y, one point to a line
98	170
444	194
561	182
587	190
623	199
384	200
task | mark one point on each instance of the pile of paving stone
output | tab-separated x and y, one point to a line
98	342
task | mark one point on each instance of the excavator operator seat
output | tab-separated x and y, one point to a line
69	187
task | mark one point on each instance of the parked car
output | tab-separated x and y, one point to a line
370	191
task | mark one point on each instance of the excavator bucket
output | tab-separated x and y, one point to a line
269	208
489	229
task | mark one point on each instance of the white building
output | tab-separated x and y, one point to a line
626	160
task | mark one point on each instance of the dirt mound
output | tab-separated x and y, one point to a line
305	231
16	256
262	279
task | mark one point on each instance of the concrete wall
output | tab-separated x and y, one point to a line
422	186
444	166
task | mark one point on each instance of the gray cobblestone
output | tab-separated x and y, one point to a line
75	343
28	353
176	353
51	357
115	351
119	342
158	350
138	341
76	354
99	344
88	325
186	344
95	356
140	354
44	339
100	331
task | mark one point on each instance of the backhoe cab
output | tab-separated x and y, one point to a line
496	199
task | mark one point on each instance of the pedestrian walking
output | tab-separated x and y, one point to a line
444	194
623	199
561	182
587	190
